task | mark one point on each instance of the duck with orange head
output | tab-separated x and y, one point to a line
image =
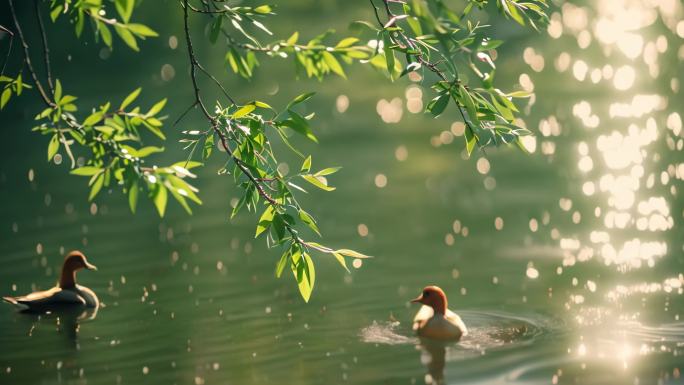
434	320
67	291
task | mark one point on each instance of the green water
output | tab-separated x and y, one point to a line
579	281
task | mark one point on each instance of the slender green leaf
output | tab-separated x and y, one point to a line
340	258
306	166
282	263
265	220
309	221
53	147
244	110
127	37
352	253
160	199
125	9
130	98
133	196
86	171
318	182
142	30
97	186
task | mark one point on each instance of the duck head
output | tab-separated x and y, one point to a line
73	262
434	297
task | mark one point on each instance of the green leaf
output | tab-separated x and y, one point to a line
127	37
53	147
133	196
125	9
346	42
181	200
265	220
263	9
282	263
292	40
301	99
299	125
469	104
306	276
440	104
184	188
328	171
105	33
146	151
86	171
519	94
389	53
54	14
142	30
341	260
208	146
352	253
243	111
215	29
58	91
310	271
414	23
316	181
97	186
189	165
309	221
6	94
470	139
306	166
156	108
334	65
93	119
130	98
160	199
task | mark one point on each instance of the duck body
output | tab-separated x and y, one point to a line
66	293
447	327
57	296
434	320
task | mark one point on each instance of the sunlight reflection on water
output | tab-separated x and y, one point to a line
622	176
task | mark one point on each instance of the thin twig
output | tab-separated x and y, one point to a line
9	50
184	113
46	50
27	57
212	77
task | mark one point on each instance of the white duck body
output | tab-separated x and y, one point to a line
429	324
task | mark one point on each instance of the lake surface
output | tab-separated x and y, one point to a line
566	264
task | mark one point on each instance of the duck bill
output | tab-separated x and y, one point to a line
417	299
90	266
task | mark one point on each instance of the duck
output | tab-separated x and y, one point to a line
66	292
434	320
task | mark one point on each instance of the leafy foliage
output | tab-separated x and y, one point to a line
78	11
450	49
11	86
114	154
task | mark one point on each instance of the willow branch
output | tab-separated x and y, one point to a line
9	49
194	65
27	57
46	50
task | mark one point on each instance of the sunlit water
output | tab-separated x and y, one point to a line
567	265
